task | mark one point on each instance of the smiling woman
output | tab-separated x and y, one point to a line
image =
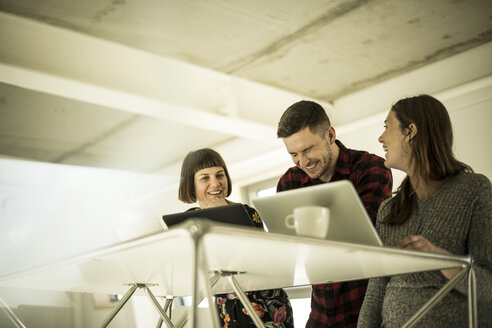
204	171
205	180
440	207
393	140
211	187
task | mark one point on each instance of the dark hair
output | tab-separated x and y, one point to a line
431	149
194	162
303	114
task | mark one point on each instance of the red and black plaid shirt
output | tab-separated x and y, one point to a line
338	304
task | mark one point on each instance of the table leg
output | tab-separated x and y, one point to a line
213	280
208	289
436	298
157	306
245	301
195	282
11	314
166	307
117	309
472	299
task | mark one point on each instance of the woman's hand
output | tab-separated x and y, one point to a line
420	243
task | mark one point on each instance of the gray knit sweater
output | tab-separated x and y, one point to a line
457	218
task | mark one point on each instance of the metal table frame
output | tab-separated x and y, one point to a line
203	279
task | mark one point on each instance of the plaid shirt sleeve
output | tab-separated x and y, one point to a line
338	304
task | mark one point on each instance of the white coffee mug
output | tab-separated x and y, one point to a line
312	221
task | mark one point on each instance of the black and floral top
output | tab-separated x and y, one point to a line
272	305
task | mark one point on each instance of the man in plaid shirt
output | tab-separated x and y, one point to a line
319	158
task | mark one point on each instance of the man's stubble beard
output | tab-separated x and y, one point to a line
327	163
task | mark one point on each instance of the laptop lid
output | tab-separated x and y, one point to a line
349	221
230	214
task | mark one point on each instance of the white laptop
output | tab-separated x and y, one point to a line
349	221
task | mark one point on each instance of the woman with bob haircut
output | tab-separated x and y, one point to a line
206	181
440	207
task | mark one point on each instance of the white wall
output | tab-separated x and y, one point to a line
470	113
473	134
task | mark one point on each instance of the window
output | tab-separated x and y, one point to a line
259	189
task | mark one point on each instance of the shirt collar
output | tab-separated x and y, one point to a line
342	167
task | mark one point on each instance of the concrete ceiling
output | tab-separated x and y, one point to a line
135	85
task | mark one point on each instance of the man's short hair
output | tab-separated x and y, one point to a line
300	115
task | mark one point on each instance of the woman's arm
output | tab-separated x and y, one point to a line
479	243
370	313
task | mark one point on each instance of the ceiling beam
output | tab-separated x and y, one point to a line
133	103
65	63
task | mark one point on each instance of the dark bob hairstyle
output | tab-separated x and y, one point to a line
194	162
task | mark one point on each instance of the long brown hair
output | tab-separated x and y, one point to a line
431	149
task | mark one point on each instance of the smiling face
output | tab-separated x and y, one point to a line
210	184
312	153
395	144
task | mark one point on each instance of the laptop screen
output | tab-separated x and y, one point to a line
349	221
230	214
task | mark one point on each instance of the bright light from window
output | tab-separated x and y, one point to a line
267	192
301	308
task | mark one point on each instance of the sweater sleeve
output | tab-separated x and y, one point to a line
370	313
480	242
